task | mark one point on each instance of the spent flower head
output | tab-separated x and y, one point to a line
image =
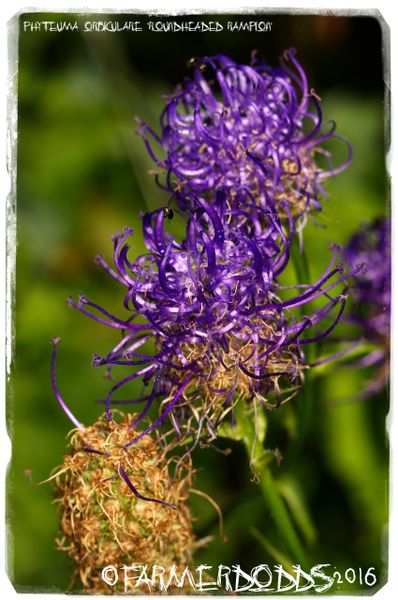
246	128
105	520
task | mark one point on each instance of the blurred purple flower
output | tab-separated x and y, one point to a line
371	289
215	312
371	293
249	129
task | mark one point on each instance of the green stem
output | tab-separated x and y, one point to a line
300	262
281	516
279	511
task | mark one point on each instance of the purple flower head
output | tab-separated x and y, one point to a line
371	290
222	328
248	129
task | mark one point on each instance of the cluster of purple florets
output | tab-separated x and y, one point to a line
371	289
371	298
239	148
212	304
251	129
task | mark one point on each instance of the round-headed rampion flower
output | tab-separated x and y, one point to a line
371	293
245	128
214	309
371	289
103	523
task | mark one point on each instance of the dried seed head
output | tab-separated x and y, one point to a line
103	522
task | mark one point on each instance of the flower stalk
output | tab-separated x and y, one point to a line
260	463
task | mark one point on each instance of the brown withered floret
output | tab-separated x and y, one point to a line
104	523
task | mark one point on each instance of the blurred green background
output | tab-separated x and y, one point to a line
83	175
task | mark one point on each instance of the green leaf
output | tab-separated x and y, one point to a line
276	554
252	429
291	491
